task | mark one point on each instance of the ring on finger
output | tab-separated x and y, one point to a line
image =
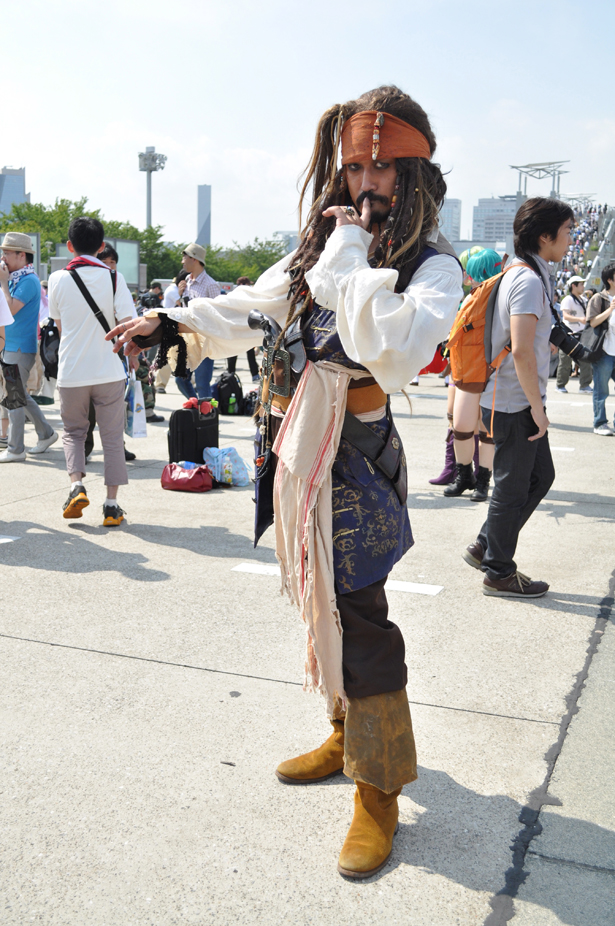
348	210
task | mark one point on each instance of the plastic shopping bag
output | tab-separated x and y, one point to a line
135	408
226	465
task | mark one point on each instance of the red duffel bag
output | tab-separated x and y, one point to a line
176	477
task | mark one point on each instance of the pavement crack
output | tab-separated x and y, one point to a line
260	678
553	859
160	662
502	903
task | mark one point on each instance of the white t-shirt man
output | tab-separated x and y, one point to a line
85	358
608	344
575	307
171	295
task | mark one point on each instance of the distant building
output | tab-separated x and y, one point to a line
493	218
450	219
290	238
12	188
203	223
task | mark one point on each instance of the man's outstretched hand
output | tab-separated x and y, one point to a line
125	331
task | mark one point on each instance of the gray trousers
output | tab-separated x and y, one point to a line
31	411
564	369
108	399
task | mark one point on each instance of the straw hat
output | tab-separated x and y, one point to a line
17	241
195	251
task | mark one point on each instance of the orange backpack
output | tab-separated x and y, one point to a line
469	343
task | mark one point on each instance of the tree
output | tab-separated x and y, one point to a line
249	260
51	221
163	258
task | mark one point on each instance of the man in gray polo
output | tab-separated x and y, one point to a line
22	289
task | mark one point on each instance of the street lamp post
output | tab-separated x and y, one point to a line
150	161
49	246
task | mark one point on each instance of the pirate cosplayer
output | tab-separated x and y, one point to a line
350	317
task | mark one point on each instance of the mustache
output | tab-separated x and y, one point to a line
373	198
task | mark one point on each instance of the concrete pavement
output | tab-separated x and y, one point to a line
150	690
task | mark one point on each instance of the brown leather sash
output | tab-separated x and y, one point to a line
364	395
363	398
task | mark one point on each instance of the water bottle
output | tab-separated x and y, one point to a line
232	405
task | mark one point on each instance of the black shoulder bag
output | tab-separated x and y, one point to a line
592	339
90	301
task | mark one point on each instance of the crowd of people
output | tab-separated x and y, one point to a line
585	239
467	454
350	318
85	362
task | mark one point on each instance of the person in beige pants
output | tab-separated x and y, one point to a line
88	370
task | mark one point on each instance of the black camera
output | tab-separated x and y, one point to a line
151	301
562	337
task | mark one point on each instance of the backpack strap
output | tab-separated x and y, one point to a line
90	301
489	314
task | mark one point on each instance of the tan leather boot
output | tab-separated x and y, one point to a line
369	841
318	765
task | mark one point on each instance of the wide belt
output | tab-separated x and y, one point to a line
364	395
364	398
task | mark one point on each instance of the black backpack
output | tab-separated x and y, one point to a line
49	348
229	387
250	402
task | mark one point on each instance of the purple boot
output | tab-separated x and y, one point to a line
449	473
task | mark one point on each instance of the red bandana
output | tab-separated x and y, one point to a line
379	137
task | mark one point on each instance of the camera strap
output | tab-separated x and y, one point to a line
529	260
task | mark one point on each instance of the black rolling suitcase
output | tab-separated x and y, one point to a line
189	434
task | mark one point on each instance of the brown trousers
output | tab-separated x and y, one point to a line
379	746
108	399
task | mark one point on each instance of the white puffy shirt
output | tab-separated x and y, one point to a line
393	334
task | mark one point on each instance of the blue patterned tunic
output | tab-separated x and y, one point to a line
371	529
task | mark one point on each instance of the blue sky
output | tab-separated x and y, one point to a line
231	93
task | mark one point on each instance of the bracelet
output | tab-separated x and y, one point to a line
172	338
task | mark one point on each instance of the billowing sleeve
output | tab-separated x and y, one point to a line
221	324
393	334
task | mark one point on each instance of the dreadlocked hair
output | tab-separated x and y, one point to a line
420	194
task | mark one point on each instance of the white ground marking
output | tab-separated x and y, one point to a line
393	585
261	569
5	539
415	588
